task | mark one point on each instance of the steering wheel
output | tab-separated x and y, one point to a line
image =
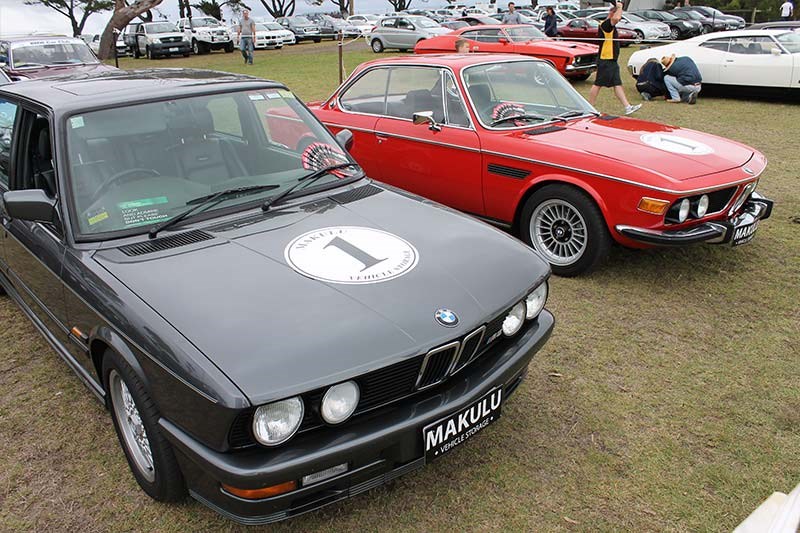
139	173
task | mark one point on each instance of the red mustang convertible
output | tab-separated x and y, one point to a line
508	139
573	60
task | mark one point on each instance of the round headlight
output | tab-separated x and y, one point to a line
339	402
683	210
514	319
702	206
276	422
534	302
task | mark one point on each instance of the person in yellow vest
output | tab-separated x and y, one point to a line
607	65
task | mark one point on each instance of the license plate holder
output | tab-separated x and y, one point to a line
744	234
174	49
454	429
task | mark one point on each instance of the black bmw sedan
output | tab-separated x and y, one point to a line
271	330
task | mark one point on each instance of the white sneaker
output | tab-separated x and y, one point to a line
632	109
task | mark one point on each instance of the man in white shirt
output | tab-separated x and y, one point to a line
787	10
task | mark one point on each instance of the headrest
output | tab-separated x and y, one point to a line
40	135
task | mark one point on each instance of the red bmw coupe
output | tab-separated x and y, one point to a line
572	59
509	140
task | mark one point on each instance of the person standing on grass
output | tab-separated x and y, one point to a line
607	65
247	29
682	78
512	17
787	10
550	23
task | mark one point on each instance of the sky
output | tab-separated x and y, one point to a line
18	18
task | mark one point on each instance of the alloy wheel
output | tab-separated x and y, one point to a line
131	426
558	232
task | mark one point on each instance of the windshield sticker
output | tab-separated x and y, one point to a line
273	96
285	94
256	96
351	255
97	215
76	122
144	202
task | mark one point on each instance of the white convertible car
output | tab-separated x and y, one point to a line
743	58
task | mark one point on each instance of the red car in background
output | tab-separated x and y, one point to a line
508	139
585	28
573	60
23	58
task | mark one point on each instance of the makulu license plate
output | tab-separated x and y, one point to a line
453	430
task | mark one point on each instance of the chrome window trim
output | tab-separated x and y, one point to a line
445	347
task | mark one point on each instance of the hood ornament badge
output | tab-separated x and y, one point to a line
446	318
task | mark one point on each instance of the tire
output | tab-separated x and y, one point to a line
229	47
186	54
582	77
376	45
196	47
318	40
639	37
404	50
558	212
706	29
163	481
674	34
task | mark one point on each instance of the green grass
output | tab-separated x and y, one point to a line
666	400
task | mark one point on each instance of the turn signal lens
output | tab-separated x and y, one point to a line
653	206
258	494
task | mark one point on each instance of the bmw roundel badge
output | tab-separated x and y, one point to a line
446	317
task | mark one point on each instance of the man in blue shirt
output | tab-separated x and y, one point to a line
682	78
512	17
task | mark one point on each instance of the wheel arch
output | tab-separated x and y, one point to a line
558	179
103	339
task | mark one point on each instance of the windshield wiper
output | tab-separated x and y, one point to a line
201	201
307	179
575	113
31	65
528	117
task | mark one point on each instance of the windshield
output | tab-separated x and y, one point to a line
667	15
634	18
160	27
790	41
273	26
300	20
693	15
39	53
136	166
261	27
567	15
503	90
423	22
204	22
522	33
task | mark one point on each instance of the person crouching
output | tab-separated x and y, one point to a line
682	78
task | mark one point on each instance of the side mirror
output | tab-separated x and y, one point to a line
775	51
426	117
32	204
502	40
345	139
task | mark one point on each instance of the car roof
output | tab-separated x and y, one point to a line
454	60
746	33
115	87
39	39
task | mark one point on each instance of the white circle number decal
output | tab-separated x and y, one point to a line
351	255
676	144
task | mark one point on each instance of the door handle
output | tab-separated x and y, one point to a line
729	60
381	138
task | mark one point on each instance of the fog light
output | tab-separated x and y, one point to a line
265	492
514	319
702	207
653	206
322	475
683	210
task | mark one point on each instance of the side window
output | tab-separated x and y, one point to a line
388	23
752	45
367	94
403	24
36	168
412	90
8	112
3	53
717	44
225	116
456	112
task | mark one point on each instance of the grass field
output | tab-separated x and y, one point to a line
667	400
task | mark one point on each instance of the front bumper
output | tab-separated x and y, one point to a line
182	47
712	232
377	448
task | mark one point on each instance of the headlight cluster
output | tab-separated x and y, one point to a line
527	309
277	422
694	207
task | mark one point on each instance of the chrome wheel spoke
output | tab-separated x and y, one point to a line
558	231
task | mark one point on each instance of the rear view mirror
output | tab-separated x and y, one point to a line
345	139
32	204
502	40
426	117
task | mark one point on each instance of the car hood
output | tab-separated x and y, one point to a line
275	332
641	145
568	48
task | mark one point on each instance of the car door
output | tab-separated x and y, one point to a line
405	33
709	57
34	251
8	117
388	33
750	61
141	40
441	162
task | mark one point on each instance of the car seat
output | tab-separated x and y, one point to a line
42	157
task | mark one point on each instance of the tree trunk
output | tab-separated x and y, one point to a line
123	14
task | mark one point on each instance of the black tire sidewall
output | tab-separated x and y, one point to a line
598	239
380	46
168	484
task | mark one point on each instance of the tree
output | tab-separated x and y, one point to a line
343	5
123	14
279	8
212	8
400	5
77	11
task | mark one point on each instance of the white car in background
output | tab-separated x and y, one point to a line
285	36
645	30
364	23
94	43
743	58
